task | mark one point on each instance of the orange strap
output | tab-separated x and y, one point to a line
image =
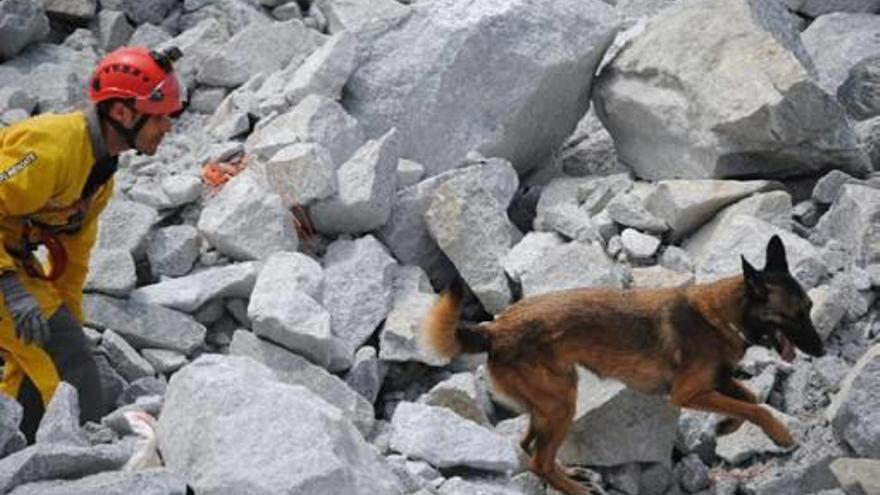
57	254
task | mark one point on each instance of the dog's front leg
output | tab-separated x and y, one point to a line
714	401
736	390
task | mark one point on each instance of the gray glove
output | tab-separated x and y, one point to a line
30	326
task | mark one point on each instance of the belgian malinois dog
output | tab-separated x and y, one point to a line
684	342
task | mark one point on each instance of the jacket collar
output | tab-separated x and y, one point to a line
99	147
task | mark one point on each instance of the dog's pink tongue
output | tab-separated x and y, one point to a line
788	353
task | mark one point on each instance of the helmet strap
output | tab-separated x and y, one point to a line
128	134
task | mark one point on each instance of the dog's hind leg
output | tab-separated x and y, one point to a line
733	388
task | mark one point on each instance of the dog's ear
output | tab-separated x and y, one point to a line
755	287
776	260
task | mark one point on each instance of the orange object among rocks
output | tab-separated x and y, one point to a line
216	174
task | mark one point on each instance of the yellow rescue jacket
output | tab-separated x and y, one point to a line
45	162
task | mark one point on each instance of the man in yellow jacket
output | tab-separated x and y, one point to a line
56	176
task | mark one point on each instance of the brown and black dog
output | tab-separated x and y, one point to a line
684	342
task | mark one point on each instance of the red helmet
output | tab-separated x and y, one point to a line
145	76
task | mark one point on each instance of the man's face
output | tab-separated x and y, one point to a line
151	134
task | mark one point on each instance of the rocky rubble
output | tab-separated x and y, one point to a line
524	146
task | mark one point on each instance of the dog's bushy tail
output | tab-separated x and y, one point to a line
445	335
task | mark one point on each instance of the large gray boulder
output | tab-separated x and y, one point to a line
412	299
852	220
193	291
836	42
758	113
570	266
535	61
197	43
854	411
21	22
153	481
59	72
860	92
816	8
41	462
126	225
220	449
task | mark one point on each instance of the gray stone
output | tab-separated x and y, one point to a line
283	310
244	221
828	309
860	92
470	225
113	29
41	462
296	370
145	325
654	277
569	206
445	439
685	205
533	247
181	189
287	11
854	410
358	283
409	173
60	423
22	22
112	383
152	11
111	271
59	69
463	394
629	210
828	188
219	449
126	225
325	71
639	246
860	476
762	384
850	220
198	43
302	173
206	100
189	293
406	233
590	150
149	35
153	481
365	18
816	8
569	266
692	474
315	119
771	119
615	425
124	358
366	190
366	374
696	434
173	250
837	41
11	439
418	77
411	300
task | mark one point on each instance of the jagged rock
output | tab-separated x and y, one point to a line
445	439
459	486
173	250
112	383
59	70
406	233
144	325
41	462
23	22
366	374
295	370
366	190
411	300
471	227
409	173
365	18
853	412
614	425
419	77
233	15
198	43
358	281
828	309
181	189
629	210
219	449
152	11
315	119
696	434
658	276
153	481
124	358
685	205
150	35
816	8
113	29
772	119
463	394
836	42
302	173
590	150
245	221
257	48
828	188
11	439
533	247
858	475
325	71
206	100
569	205
60	423
692	474
860	92
189	293
143	388
851	221
639	246
111	271
126	225
282	308
571	265
287	11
